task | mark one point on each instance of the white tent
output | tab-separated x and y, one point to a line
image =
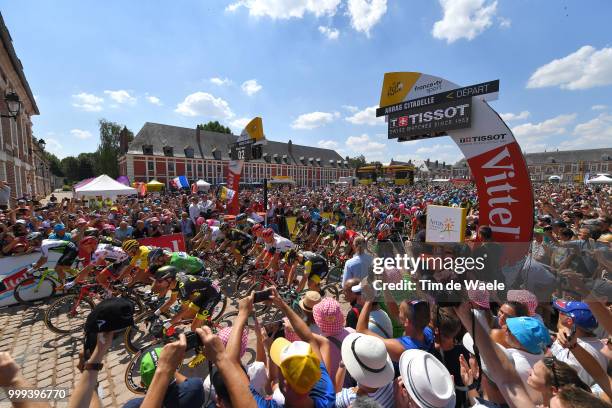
202	185
104	186
601	179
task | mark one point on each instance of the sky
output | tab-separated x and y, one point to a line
312	69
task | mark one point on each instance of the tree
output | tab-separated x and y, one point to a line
54	164
109	148
356	162
70	168
215	127
87	165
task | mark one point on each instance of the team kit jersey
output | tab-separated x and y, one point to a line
186	263
109	253
280	245
53	245
140	260
216	234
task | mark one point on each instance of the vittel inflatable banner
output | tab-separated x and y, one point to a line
438	107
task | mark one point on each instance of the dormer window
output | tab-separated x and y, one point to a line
168	151
189	152
285	159
339	163
147	149
319	161
311	161
303	160
332	163
276	158
266	157
216	154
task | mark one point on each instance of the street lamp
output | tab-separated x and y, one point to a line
42	144
13	104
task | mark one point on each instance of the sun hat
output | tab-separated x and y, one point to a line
328	316
148	365
578	311
224	335
298	363
309	300
530	332
367	360
525	297
479	297
426	379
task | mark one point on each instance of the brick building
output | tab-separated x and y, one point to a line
16	141
569	165
163	152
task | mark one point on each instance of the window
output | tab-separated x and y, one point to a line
3	171
147	149
189	152
171	168
168	151
151	165
200	170
189	169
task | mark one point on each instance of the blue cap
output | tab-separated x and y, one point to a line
578	311
146	209
58	227
530	332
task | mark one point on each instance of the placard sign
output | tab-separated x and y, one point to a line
445	224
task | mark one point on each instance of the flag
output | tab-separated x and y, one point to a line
181	182
226	194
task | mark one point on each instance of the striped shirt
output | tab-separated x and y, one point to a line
384	396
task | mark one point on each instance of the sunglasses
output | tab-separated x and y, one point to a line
549	362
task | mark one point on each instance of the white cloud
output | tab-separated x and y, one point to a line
314	120
464	19
350	108
238	125
365	14
121	96
251	87
81	134
592	134
154	100
363	144
504	22
583	69
599	107
284	9
366	117
330	32
514	116
87	102
220	81
327	144
532	136
204	104
55	147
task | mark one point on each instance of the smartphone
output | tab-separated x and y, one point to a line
262	295
193	341
275	329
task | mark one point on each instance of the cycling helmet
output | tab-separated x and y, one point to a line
224	226
154	255
291	256
336	207
341	230
91	232
33	236
58	228
267	233
256	228
166	272
130	244
389	219
109	227
241	217
204	227
376	212
384	227
88	240
304	209
325	221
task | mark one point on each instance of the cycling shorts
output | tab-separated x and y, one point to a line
69	255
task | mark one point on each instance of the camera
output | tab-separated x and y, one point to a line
262	296
193	341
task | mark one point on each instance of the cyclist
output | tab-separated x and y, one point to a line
315	268
244	223
180	260
96	253
68	250
344	235
139	261
258	245
208	237
275	247
240	242
327	233
198	295
300	219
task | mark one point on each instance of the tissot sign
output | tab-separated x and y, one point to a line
420	105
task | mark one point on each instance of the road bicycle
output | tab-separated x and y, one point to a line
40	283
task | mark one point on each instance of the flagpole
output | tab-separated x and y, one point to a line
265	197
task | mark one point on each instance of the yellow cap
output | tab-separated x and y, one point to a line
299	365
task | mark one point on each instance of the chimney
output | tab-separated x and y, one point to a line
198	141
427	161
290	147
436	163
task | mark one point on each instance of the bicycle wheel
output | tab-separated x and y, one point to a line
334	275
66	316
138	337
217	312
31	289
244	283
331	290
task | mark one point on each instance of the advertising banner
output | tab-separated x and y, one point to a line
426	122
173	242
234	168
445	224
13	270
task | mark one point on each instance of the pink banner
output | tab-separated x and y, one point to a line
173	242
234	168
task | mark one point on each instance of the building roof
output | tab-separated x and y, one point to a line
562	156
7	42
159	136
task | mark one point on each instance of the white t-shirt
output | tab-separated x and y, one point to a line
523	364
384	396
592	345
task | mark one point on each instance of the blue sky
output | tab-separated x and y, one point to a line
312	68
